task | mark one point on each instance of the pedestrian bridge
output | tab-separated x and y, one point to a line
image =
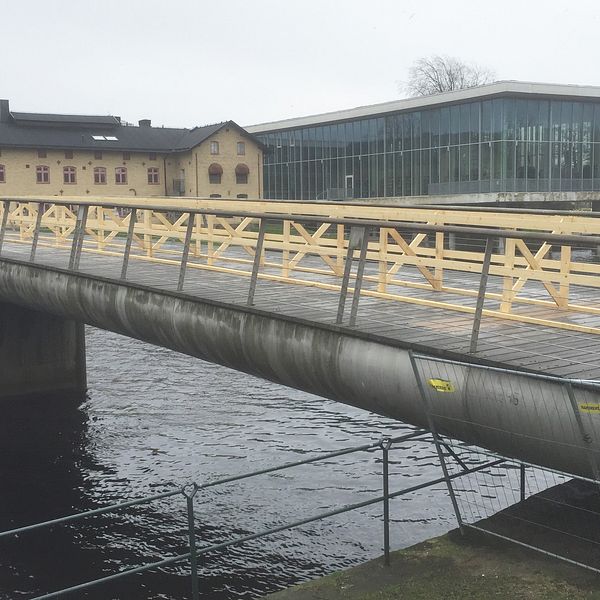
482	324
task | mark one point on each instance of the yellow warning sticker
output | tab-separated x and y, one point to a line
590	407
441	385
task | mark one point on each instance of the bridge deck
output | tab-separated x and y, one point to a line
549	350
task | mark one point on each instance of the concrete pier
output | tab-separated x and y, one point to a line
40	354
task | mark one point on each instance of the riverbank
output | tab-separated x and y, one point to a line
454	567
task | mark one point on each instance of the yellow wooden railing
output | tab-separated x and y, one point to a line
545	274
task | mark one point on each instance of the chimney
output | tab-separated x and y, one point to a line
145	123
4	111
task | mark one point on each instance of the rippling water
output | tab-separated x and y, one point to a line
155	419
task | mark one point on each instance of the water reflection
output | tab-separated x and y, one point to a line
156	419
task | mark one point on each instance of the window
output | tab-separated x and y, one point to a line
42	174
126	155
98	155
121	175
242	195
215	195
99	175
2	174
214	147
70	174
68	153
214	173
153	176
241	148
152	156
241	173
41	154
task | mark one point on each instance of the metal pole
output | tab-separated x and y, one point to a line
186	250
385	448
436	441
5	211
78	236
36	231
485	270
522	473
359	276
354	241
127	252
189	496
256	264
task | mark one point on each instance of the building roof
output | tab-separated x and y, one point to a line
498	88
89	132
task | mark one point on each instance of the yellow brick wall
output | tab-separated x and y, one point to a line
20	171
20	174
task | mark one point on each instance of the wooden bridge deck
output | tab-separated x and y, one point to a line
514	344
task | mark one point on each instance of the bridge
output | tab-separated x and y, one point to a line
481	323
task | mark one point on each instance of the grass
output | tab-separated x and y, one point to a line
452	567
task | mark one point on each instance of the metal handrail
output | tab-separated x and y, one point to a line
570	239
189	491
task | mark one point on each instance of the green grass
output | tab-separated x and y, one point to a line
453	568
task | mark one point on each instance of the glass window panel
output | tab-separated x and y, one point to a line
474	127
425	174
348	135
508	119
521	119
398	160
380	135
407	174
444	126
486	121
435	127
416	130
416	173
576	123
444	165
474	166
454	164
465	123
406	132
454	125
465	163
425	129
497	110
543	120
435	165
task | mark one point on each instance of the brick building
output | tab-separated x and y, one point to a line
75	155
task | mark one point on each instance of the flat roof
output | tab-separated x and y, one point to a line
523	88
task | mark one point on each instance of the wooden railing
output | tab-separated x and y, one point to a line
534	259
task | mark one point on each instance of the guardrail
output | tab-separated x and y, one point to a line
471	256
188	492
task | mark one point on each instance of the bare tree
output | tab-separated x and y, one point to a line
435	74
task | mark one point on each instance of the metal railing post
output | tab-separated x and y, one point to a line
128	242
385	444
257	256
355	240
364	244
485	270
186	250
36	231
436	440
189	496
78	236
522	478
5	211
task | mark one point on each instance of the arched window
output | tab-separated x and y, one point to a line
214	173
241	173
42	174
69	175
2	174
121	175
99	175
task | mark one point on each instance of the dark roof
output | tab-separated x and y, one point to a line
48	119
33	130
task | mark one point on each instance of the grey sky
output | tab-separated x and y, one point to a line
186	63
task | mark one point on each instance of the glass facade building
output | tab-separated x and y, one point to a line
487	144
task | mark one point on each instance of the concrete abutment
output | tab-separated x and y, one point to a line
40	354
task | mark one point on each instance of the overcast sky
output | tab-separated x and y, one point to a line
184	63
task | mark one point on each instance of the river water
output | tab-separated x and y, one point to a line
155	419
